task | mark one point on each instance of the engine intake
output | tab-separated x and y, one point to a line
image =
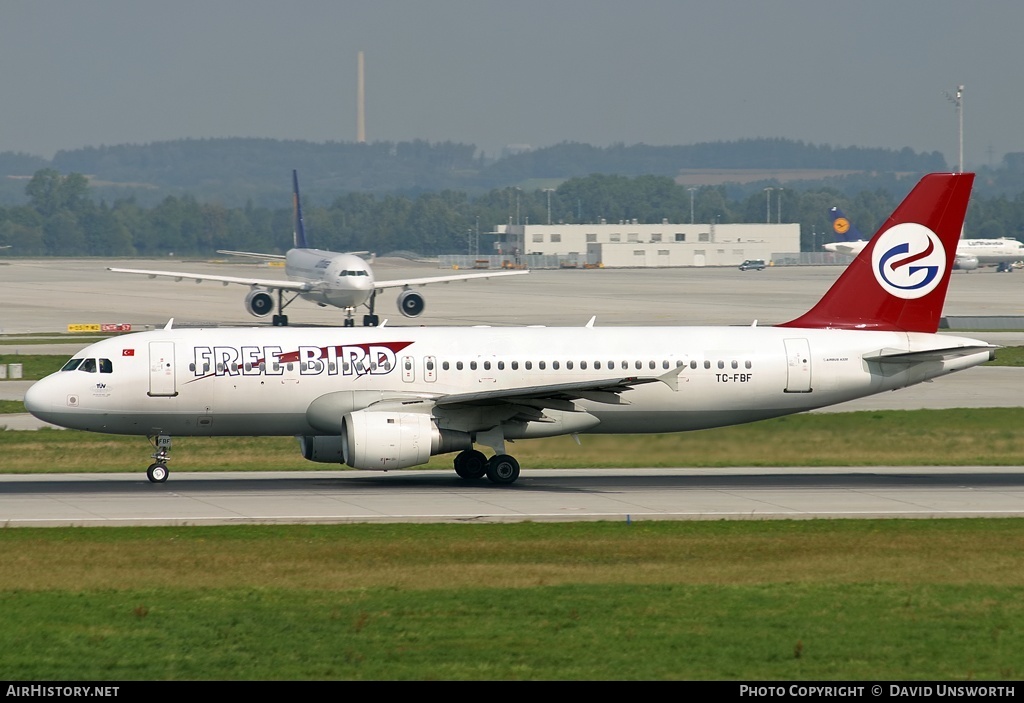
259	302
411	303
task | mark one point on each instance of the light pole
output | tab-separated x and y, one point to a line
778	201
958	101
691	203
548	191
768	216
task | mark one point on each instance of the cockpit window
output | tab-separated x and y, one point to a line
352	273
89	366
106	366
71	365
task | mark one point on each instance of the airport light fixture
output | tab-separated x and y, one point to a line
548	191
778	201
691	203
958	101
768	215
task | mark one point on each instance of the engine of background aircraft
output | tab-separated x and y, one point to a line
259	302
965	263
411	303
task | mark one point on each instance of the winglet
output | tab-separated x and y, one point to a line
898	281
591	322
299	235
169	324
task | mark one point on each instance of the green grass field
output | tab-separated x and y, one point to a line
959	437
857	599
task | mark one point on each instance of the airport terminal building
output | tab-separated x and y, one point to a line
630	244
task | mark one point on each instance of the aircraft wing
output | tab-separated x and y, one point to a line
556	395
381	285
253	255
200	277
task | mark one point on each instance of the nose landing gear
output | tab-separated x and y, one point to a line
157	471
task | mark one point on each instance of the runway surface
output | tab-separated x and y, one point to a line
330	497
44	296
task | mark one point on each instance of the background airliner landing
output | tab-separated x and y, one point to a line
340	279
970	253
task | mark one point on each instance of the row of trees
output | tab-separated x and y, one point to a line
234	171
61	219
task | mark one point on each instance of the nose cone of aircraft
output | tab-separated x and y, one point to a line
41	399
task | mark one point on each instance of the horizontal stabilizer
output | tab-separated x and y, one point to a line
253	255
899	356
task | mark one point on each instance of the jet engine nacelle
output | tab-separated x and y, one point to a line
965	263
411	303
259	302
326	450
390	439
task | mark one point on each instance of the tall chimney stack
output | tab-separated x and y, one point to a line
361	103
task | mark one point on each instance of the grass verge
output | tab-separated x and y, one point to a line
884	600
958	437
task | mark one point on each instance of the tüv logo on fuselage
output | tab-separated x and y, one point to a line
908	260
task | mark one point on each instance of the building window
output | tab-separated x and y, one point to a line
615	237
556	238
633	237
538	238
591	239
655	237
704	237
680	237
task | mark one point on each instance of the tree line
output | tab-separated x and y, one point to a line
62	218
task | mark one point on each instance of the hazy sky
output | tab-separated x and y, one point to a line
872	73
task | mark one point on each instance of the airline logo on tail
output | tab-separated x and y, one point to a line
908	261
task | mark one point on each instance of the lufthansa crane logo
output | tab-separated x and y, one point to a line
841	225
908	261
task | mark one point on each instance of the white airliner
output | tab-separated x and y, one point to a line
970	253
343	280
390	397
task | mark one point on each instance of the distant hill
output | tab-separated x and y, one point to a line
239	171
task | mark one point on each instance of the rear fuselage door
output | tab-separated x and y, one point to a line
161	370
798	366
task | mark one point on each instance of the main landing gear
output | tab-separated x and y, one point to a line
500	469
157	471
